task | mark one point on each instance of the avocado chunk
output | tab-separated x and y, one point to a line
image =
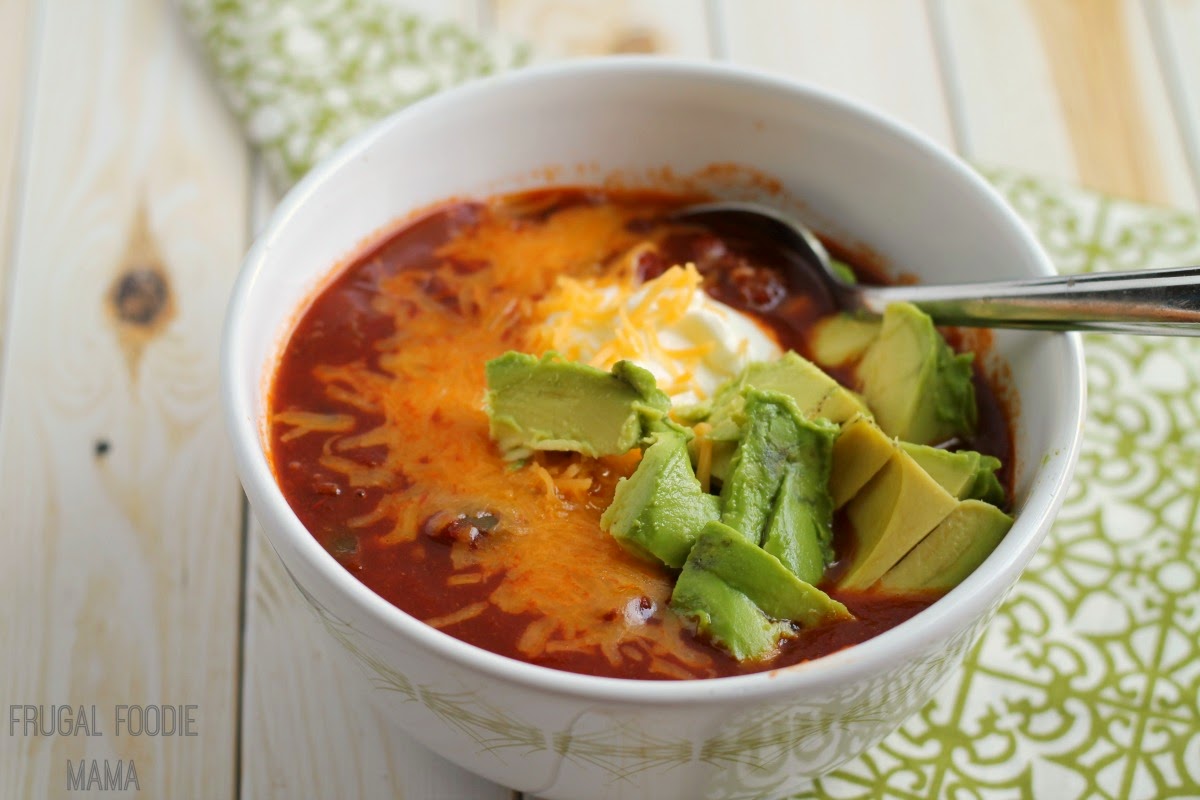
858	454
742	599
657	511
725	617
843	271
553	404
965	474
816	395
862	449
952	551
776	435
954	471
987	485
800	530
890	515
842	338
919	389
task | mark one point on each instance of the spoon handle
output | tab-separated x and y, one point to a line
1163	302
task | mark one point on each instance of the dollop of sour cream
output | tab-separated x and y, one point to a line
670	326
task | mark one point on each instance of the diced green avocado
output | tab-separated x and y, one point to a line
862	449
552	404
987	486
842	338
952	551
919	389
657	511
738	595
722	455
858	454
726	617
775	435
756	470
954	471
692	414
890	515
815	393
800	530
843	271
965	474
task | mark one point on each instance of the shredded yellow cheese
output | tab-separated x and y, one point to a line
579	313
704	455
545	477
455	617
305	422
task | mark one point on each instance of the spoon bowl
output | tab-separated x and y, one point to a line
1161	302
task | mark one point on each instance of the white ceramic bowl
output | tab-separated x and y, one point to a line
858	174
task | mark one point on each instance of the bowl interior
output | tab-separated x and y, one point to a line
856	175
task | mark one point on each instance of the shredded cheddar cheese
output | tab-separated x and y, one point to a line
306	422
628	320
704	448
462	615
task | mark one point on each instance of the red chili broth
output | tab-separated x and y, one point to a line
344	327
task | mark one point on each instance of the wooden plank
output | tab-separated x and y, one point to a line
17	20
1068	90
1175	25
119	553
880	53
1166	147
560	28
1009	106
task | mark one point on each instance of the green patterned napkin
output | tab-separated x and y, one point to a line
306	76
1087	683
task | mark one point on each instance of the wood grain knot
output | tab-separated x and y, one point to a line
140	299
635	40
140	296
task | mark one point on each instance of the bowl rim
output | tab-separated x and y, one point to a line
984	588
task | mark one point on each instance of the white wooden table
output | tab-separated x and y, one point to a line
129	570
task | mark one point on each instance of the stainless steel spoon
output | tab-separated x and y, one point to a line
1161	302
